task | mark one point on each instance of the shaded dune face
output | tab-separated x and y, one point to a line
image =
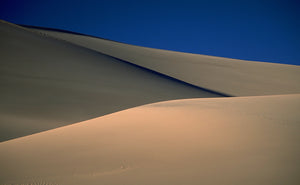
47	83
244	140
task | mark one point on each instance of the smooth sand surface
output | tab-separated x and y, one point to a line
229	76
244	140
47	83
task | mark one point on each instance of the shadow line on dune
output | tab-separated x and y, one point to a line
170	78
127	62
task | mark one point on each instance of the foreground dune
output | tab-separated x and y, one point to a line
245	140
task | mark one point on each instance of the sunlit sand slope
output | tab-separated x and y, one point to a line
46	83
244	140
229	76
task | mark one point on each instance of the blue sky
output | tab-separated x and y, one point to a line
264	30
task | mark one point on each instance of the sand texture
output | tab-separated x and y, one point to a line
81	110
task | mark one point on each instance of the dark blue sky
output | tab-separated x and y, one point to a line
259	30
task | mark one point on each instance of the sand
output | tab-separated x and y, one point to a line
247	140
80	110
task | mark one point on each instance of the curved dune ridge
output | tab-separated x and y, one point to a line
135	115
245	140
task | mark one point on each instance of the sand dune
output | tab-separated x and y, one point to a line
229	76
46	83
197	135
247	140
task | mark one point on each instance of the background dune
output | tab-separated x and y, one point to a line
229	76
247	140
46	83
